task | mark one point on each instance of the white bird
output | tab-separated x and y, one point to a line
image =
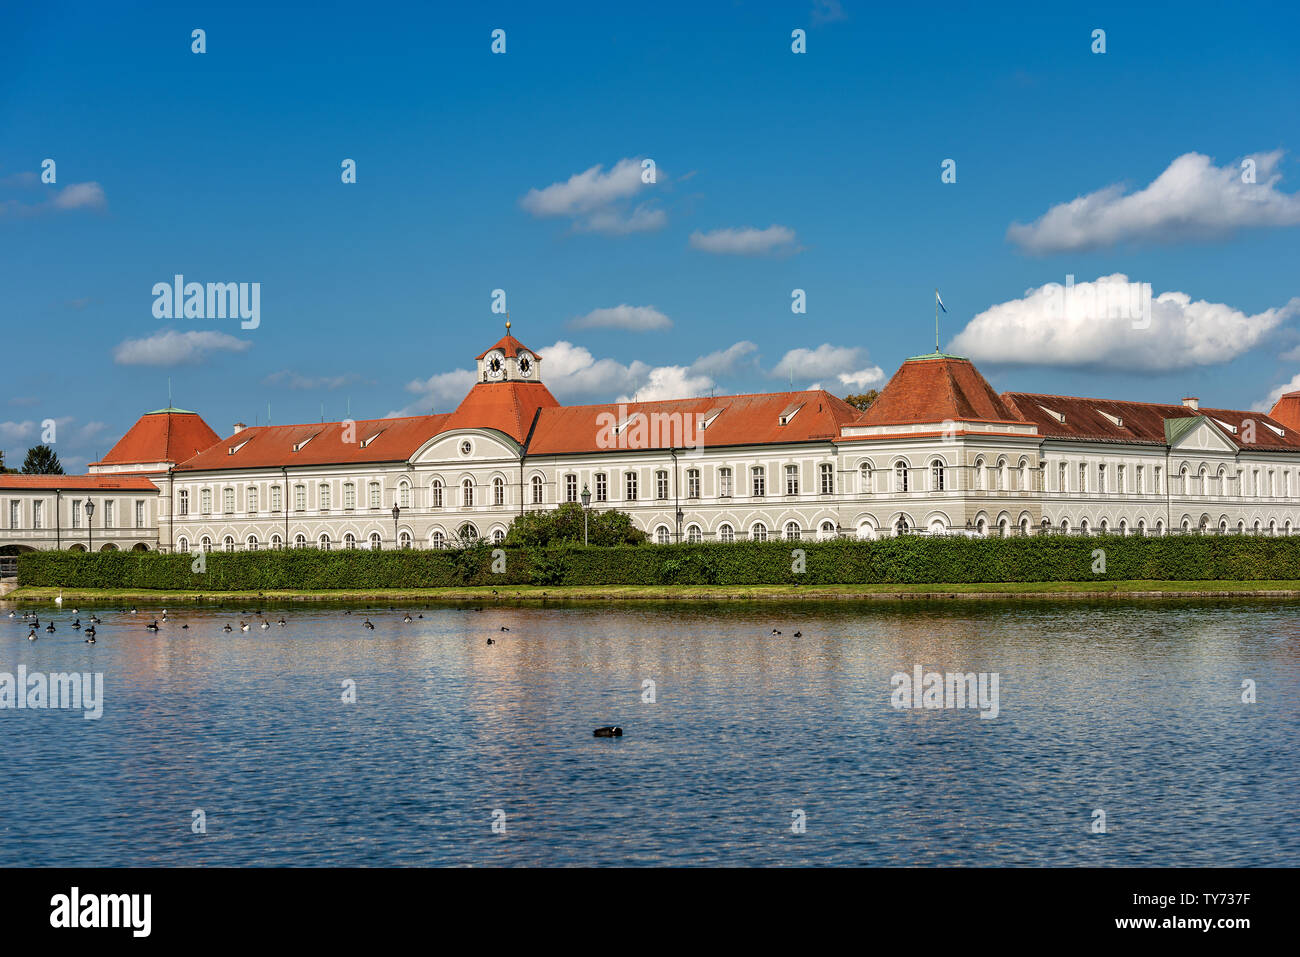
59	600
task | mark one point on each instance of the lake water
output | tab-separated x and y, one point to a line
1132	708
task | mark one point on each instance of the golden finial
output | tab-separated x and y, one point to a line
507	323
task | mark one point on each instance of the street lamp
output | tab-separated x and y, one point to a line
90	526
396	511
586	500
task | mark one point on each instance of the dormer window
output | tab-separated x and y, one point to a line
372	438
789	412
708	417
1058	416
1281	433
618	429
304	442
1112	419
235	448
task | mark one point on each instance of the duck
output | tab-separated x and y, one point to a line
133	611
281	622
94	620
504	628
798	634
227	629
153	626
243	626
491	642
264	625
185	627
13	614
76	624
368	624
49	629
90	635
775	632
407	618
31	635
609	731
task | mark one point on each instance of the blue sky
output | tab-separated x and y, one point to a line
521	171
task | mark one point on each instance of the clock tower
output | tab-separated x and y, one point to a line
509	361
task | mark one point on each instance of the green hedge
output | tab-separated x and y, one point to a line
903	560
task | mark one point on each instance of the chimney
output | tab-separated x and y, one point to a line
240	426
1191	402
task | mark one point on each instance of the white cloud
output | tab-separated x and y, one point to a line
1192	199
1092	324
727	361
744	241
1291	355
629	318
846	363
863	378
598	201
17	431
669	382
1267	404
294	380
81	196
442	392
175	348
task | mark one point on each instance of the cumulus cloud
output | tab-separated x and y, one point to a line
846	363
1192	199
745	241
176	348
1267	403
599	201
628	318
728	361
73	196
17	431
294	380
441	392
669	382
1093	324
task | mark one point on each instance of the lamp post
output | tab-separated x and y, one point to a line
90	525
396	511
586	500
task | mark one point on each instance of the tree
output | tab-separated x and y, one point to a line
564	525
863	400
41	460
3	469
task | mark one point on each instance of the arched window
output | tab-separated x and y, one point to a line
277	541
792	531
439	540
1024	525
979	475
435	493
182	544
228	543
498	535
1023	469
1123	526
1065	526
694	535
1083	526
1002	475
661	535
758	532
251	543
498	491
300	540
936	475
726	533
1142	526
205	543
900	477
404	494
537	490
468	532
349	541
467	492
982	527
902	526
404	539
827	531
1004	528
864	477
323	543
375	542
1104	527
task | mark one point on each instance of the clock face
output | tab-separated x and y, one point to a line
495	365
525	364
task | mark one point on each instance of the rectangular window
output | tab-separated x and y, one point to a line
1101	478
724	483
183	502
15	513
693	483
205	501
1060	478
661	485
139	514
1119	479
374	495
250	499
602	487
325	497
570	488
1083	478
228	500
792	480
1140	487
277	498
300	497
108	514
76	514
828	480
37	508
760	482
631	486
349	495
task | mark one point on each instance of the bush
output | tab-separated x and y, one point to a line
565	524
910	559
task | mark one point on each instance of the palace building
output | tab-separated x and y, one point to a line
939	452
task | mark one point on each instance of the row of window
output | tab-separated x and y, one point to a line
106	510
467	533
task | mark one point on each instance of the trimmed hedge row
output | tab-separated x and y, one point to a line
905	560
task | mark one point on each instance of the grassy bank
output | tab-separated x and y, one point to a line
530	593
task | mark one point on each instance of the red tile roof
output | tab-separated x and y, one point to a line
168	435
119	482
937	388
740	420
505	406
1141	421
376	440
509	346
1287	411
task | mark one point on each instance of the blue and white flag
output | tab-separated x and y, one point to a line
939	300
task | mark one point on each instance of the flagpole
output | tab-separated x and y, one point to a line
936	320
